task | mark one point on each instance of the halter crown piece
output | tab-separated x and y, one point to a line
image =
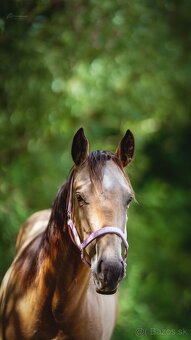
100	232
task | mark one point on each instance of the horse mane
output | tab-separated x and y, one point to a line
47	244
58	217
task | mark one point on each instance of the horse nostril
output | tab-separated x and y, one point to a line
122	270
99	267
110	272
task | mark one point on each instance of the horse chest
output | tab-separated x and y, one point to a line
92	319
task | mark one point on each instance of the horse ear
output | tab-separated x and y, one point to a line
80	147
125	150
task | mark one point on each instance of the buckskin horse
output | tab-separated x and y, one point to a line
69	261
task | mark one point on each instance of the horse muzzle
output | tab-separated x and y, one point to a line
107	275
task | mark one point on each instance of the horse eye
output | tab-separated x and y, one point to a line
129	201
80	199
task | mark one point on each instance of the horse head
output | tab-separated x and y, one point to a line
100	197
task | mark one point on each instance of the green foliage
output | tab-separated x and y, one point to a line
107	66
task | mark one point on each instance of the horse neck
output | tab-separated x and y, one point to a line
70	275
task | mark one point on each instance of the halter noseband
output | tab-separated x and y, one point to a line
100	232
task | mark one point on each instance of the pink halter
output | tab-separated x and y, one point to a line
100	232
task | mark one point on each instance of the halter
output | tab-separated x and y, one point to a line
100	232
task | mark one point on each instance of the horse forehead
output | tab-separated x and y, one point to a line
82	179
114	178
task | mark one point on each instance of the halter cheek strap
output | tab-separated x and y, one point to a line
98	233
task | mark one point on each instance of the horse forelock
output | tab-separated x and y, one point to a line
97	161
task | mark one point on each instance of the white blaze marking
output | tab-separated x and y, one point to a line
114	178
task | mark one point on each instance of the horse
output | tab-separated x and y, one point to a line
69	261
